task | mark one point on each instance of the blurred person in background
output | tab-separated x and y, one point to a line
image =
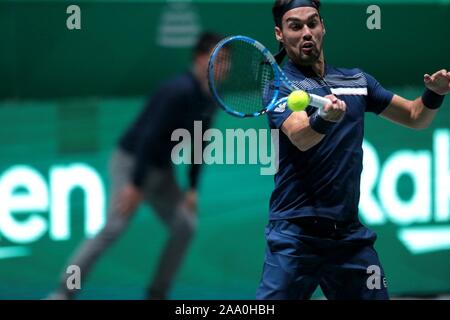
142	171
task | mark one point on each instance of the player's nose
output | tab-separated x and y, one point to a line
307	34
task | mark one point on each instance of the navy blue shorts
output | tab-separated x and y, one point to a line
302	256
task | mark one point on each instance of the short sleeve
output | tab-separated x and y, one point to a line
378	98
278	115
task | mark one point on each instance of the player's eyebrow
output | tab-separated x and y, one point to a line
295	19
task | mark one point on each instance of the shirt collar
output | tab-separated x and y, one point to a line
293	69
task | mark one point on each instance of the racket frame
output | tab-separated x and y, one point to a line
279	77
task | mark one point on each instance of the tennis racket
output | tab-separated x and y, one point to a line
246	81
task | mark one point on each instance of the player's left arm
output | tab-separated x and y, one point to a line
419	113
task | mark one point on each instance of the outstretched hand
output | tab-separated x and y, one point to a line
438	82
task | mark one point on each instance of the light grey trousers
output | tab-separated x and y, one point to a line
163	194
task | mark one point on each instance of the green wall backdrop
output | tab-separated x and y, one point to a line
67	95
122	46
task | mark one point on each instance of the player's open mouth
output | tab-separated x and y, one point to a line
307	47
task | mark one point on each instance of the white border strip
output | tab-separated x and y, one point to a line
349	91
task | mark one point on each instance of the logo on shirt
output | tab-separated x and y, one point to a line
281	107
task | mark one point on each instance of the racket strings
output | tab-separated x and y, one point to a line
243	77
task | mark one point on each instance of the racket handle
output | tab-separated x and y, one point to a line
317	101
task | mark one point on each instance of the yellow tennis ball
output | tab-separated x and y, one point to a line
298	100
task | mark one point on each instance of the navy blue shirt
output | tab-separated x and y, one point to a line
176	104
325	180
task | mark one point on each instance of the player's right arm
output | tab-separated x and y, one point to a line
299	132
304	133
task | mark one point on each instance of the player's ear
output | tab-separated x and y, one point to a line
323	26
278	34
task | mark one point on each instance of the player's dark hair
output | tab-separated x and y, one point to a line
205	42
280	7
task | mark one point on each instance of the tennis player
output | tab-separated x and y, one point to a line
314	236
141	171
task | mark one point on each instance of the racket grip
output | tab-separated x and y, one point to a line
318	101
